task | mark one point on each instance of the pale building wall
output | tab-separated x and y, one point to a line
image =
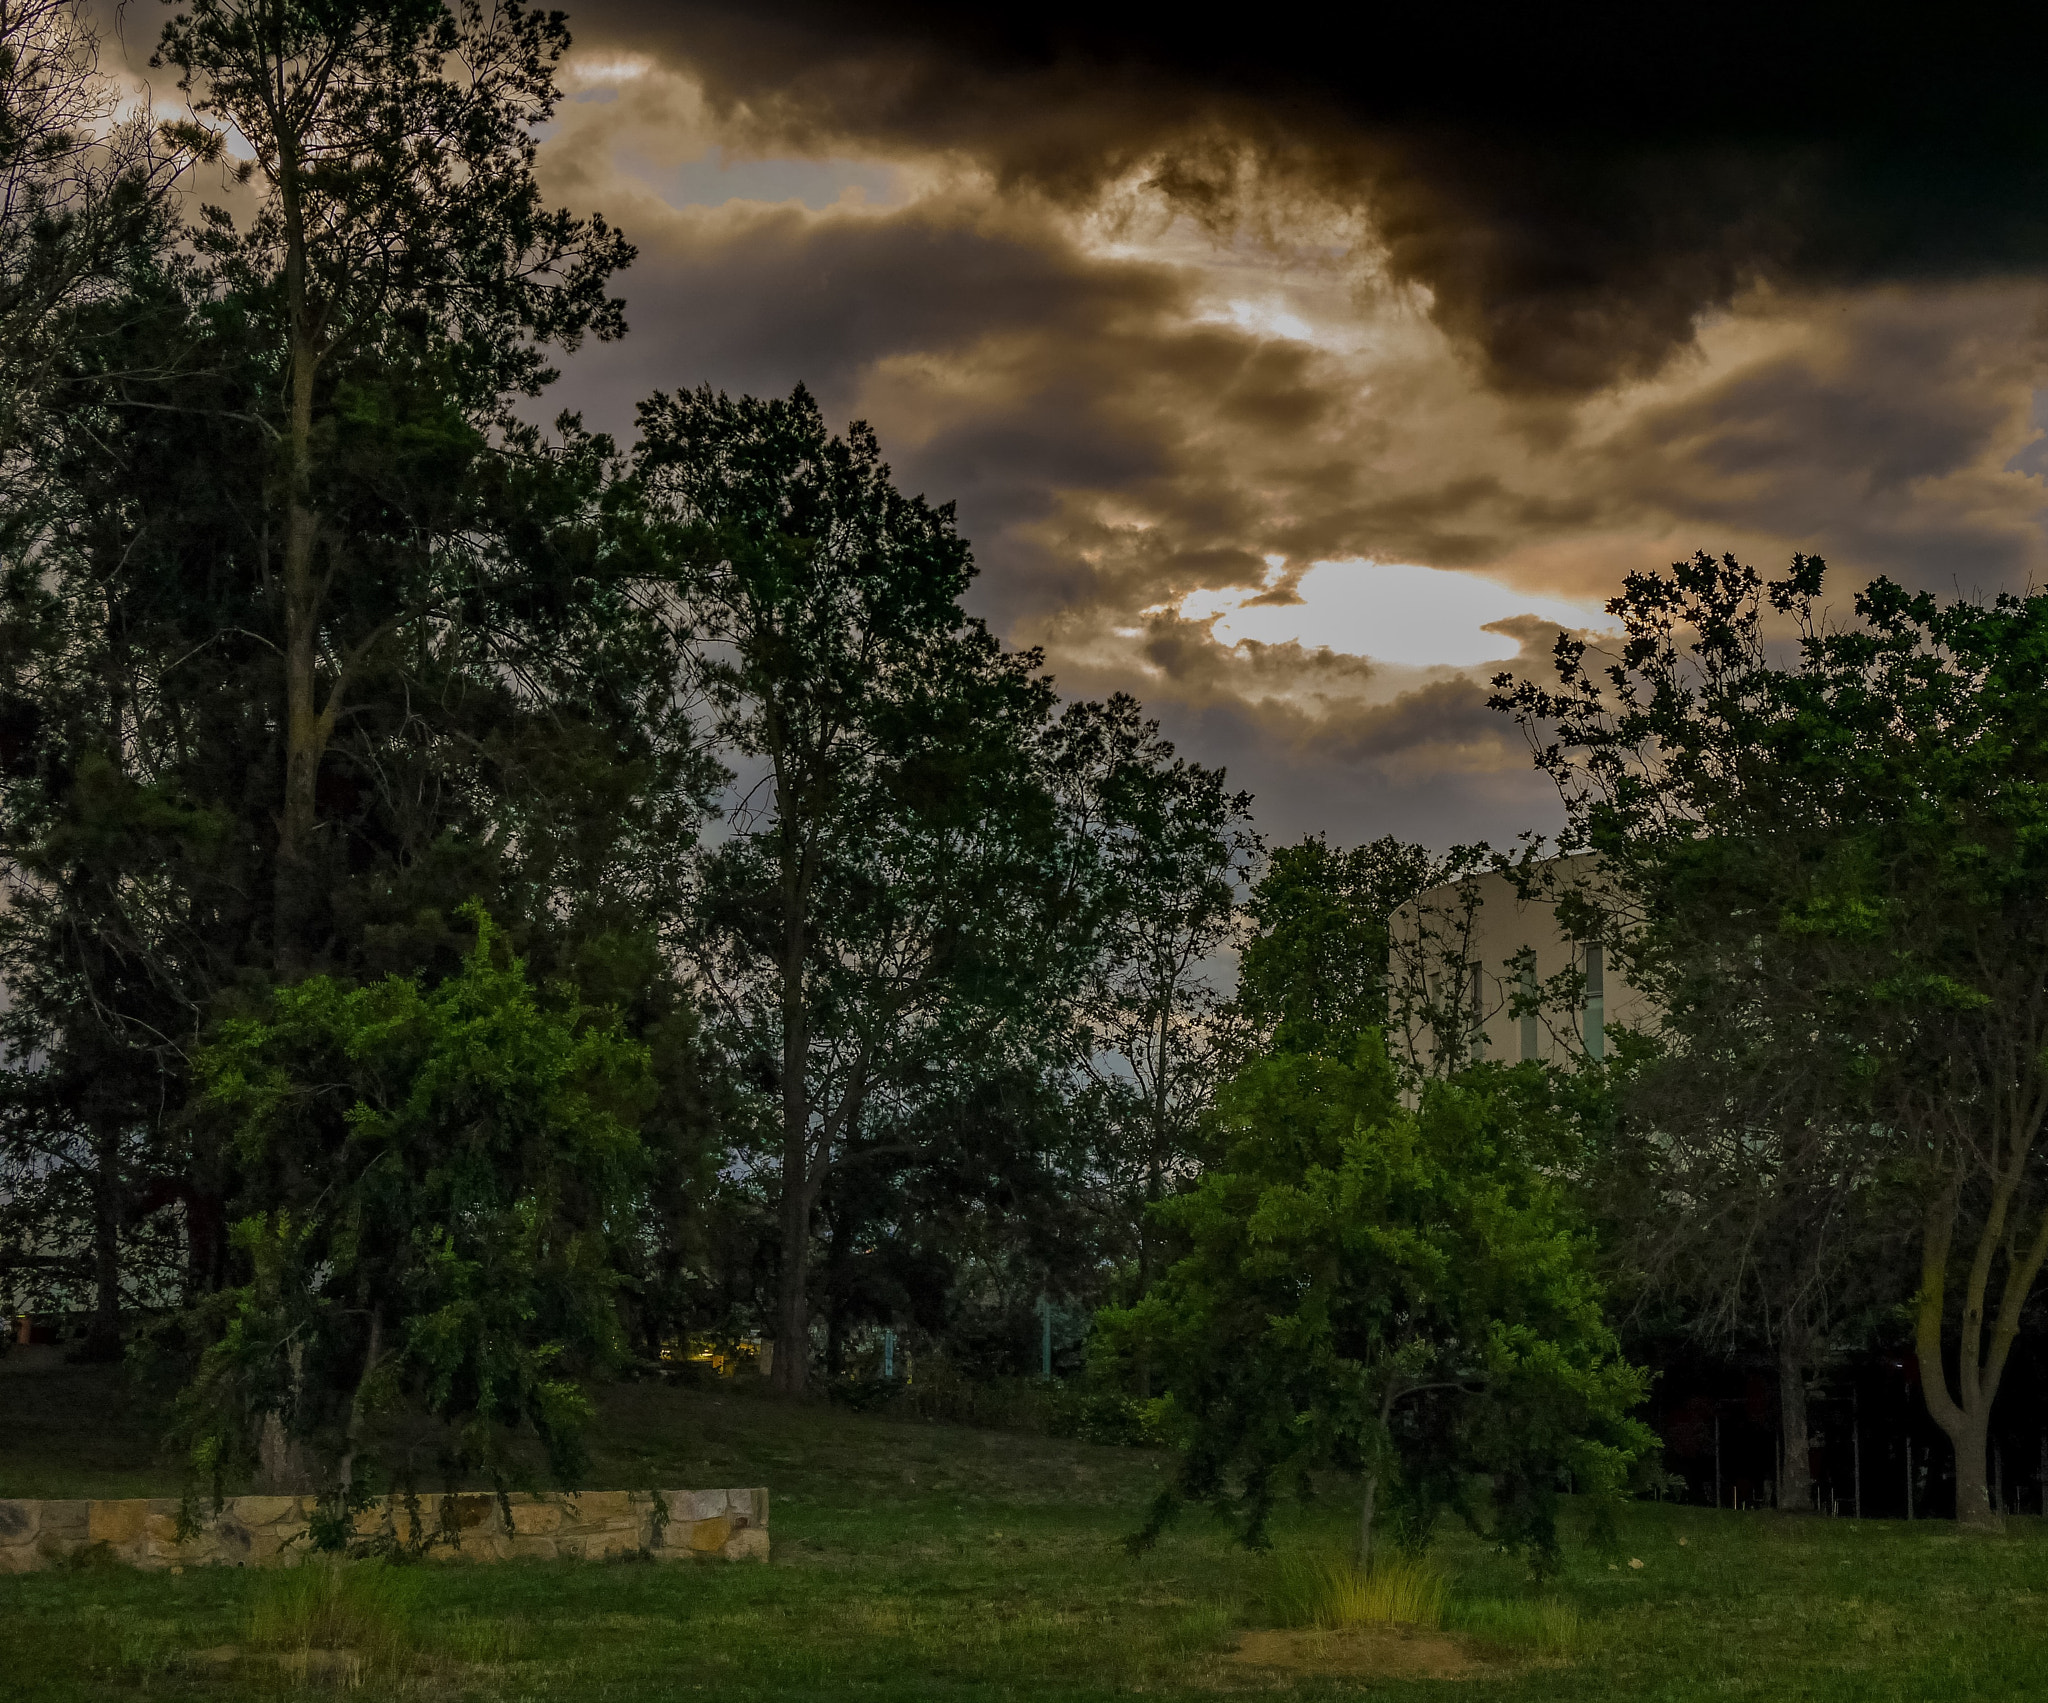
1467	937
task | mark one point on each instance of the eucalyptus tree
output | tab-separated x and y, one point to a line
397	229
1167	846
881	925
85	196
521	741
328	644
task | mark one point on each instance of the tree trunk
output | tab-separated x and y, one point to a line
1971	1440
103	1339
1141	1370
307	725
1367	1508
792	1310
1964	1414
358	1409
304	729
1795	1476
283	1465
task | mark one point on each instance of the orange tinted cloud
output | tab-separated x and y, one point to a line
1156	329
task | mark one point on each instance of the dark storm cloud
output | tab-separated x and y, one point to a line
1573	186
1129	410
763	297
1035	385
1468	779
1879	440
760	299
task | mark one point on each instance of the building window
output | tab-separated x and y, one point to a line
1596	1001
1478	1015
1528	1002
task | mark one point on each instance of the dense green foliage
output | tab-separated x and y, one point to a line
1395	1290
435	1184
1315	971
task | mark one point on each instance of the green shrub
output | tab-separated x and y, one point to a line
1108	1416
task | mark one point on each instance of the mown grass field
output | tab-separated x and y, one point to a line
916	1561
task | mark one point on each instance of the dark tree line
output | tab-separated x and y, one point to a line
356	733
488	905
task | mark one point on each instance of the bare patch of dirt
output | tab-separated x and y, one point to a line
1362	1652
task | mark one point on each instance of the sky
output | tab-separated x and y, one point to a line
1298	380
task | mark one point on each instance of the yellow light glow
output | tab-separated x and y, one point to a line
1391	611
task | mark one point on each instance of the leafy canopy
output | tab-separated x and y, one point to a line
436	1181
1389	1289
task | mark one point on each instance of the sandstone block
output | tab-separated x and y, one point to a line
267	1545
467	1513
707	1537
271	1530
529	1519
749	1543
117	1523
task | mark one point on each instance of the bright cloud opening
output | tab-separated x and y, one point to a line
619	70
1391	611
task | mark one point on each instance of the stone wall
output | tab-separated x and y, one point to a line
270	1531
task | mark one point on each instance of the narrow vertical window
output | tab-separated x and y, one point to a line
1596	1002
1478	1015
1529	1039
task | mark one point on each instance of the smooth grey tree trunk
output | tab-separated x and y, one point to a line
1795	1475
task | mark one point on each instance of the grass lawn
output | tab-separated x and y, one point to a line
917	1561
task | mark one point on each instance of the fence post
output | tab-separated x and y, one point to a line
1856	1442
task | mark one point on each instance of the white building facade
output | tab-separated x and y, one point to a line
1477	970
